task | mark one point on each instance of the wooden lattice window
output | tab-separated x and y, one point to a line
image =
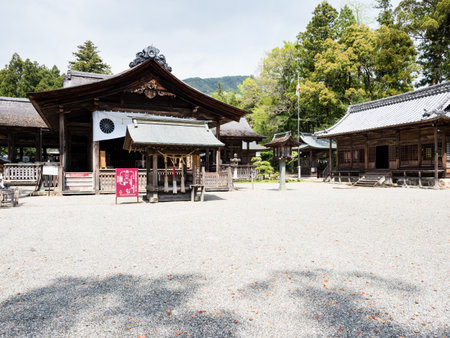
409	152
358	156
428	151
372	154
392	153
345	156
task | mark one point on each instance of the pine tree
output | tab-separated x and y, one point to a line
88	60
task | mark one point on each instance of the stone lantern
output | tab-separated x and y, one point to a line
234	164
282	144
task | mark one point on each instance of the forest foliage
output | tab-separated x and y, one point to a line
338	60
20	77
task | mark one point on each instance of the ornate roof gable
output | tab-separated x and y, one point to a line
150	52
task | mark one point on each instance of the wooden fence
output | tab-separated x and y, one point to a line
217	180
22	174
243	171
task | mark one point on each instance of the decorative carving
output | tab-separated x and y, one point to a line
150	53
151	89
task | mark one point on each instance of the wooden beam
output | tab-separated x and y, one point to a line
62	151
218	150
12	147
155	178
444	153
95	165
330	155
39	146
366	152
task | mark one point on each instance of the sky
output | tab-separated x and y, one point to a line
199	38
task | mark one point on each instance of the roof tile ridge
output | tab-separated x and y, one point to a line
17	99
408	96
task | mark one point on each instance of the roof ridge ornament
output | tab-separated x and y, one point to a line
150	52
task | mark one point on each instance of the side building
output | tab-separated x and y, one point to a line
400	139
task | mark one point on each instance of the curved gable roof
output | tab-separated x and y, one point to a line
49	103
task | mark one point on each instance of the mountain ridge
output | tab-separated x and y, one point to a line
209	85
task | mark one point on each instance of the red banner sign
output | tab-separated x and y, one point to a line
127	182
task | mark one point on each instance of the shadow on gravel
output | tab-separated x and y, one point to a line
340	309
118	305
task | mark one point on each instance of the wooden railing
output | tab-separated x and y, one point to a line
218	180
107	179
22	173
243	171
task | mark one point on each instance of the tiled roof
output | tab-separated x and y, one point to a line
19	112
168	131
239	129
412	107
77	78
283	139
311	141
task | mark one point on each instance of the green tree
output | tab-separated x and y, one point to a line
346	19
264	168
429	23
20	77
320	28
87	59
395	63
386	14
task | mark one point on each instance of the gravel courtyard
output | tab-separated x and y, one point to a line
317	260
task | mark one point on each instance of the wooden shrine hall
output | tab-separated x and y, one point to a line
89	119
400	139
171	143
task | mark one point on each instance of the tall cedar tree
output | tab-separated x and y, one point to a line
386	14
320	28
429	23
20	77
88	60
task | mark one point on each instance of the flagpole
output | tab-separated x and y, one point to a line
298	127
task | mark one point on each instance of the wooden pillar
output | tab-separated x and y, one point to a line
155	179
366	153
207	160
351	151
249	160
397	150
419	148
218	150
39	146
12	147
444	154
436	159
148	166
62	152
330	156
96	165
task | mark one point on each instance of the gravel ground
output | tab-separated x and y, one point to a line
317	260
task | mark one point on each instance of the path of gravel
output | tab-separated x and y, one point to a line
317	260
